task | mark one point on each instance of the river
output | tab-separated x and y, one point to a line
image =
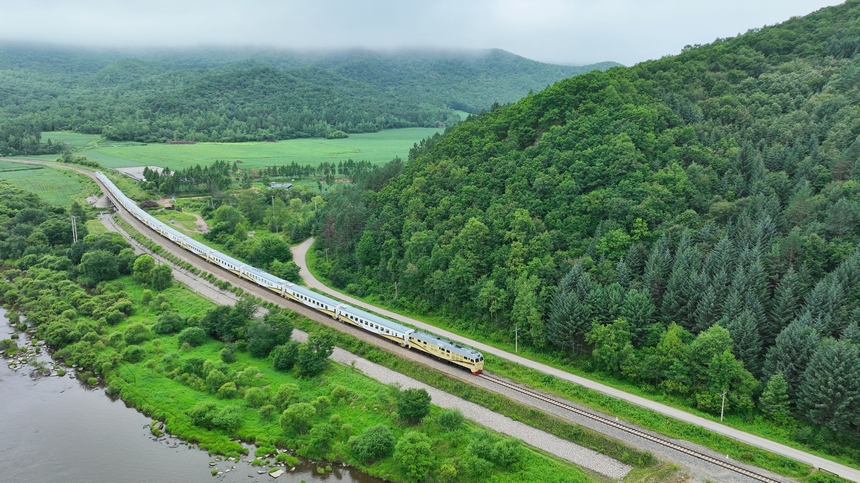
57	429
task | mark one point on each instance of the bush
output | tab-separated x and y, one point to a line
256	397
284	396
413	453
168	323
136	333
413	405
450	419
228	391
133	354
267	411
374	443
193	336
228	354
283	357
297	418
341	394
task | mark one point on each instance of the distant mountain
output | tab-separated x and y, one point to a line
239	95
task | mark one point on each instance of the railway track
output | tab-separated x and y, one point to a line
642	434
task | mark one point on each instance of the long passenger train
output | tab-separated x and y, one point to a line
405	336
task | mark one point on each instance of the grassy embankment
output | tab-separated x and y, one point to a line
151	385
627	411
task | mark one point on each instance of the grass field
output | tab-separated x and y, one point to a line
55	186
374	147
73	139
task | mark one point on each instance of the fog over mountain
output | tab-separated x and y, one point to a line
556	31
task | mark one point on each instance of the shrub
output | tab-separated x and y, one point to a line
193	336
228	354
413	405
450	419
136	333
228	390
413	453
283	357
284	395
133	354
297	418
267	411
374	443
215	379
168	323
341	393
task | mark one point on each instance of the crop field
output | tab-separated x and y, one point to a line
374	147
55	186
73	139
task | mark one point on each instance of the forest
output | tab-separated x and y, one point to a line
238	95
688	225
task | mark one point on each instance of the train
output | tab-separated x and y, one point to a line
407	337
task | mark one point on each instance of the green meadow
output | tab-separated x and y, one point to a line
377	147
55	186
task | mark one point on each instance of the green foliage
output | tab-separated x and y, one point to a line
275	329
373	443
136	333
284	356
413	405
297	418
774	400
312	357
168	323
414	455
450	419
192	336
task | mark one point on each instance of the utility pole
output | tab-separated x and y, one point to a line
395	290
74	229
723	407
516	338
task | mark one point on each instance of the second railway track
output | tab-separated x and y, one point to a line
627	429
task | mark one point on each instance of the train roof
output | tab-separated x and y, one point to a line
375	319
311	294
447	344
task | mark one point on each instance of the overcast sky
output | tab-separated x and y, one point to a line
558	31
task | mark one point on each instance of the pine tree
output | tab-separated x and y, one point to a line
747	342
830	388
569	316
638	310
707	311
774	401
851	333
682	288
785	307
623	273
791	353
657	269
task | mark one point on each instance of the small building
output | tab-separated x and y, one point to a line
285	186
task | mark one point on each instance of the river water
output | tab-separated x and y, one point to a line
56	429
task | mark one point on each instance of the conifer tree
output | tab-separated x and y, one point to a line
830	387
786	304
638	310
791	353
851	333
774	401
747	342
657	269
569	315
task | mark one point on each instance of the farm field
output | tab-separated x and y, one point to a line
374	147
55	186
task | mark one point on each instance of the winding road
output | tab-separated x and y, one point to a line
299	256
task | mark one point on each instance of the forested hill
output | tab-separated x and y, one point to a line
240	95
716	189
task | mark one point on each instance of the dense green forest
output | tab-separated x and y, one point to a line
689	224
248	95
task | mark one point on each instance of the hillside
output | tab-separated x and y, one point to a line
690	223
242	95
